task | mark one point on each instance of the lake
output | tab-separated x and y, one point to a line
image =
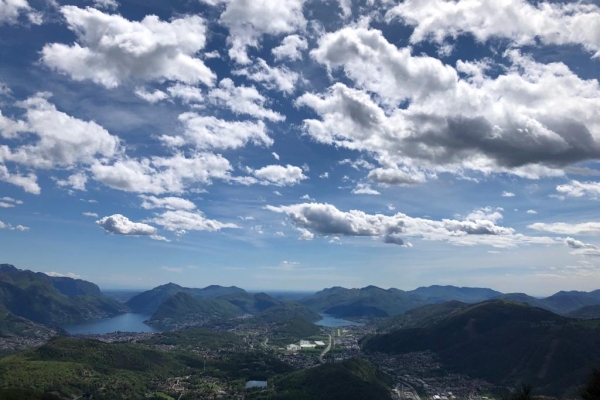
330	321
129	322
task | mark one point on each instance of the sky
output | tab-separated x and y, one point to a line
302	144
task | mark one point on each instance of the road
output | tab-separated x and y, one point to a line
265	343
412	389
325	351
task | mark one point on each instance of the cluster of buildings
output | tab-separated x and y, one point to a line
304	344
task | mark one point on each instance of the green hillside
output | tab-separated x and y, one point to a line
285	311
505	343
182	307
422	317
251	303
149	301
53	301
587	312
196	338
355	379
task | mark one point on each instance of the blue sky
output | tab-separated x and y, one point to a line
302	144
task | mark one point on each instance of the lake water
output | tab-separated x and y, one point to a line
129	322
330	321
256	384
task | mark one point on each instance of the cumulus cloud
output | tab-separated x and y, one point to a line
118	224
479	227
531	212
170	203
186	93
582	249
151	97
62	140
90	214
111	49
106	4
159	175
519	21
291	48
248	21
181	221
10	10
532	120
563	228
75	181
243	100
508	194
21	228
272	78
396	176
279	175
208	132
580	189
363	188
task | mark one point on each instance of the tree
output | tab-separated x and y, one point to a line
591	390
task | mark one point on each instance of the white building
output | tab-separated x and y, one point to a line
304	342
319	343
293	347
308	346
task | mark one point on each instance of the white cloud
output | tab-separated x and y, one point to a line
26	182
396	176
275	155
279	175
181	221
188	94
363	188
6	205
479	227
272	78
531	212
324	175
21	228
151	97
519	21
277	193
582	249
75	181
305	234
580	189
307	197
243	100
170	203
208	132
562	228
111	49
159	175
118	224
60	275
62	139
508	194
248	21
106	4
176	270
10	10
90	214
9	202
291	47
532	120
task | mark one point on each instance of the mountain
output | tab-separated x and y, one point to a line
285	311
370	300
148	302
422	317
182	307
51	300
587	312
505	343
251	303
441	294
559	303
355	379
